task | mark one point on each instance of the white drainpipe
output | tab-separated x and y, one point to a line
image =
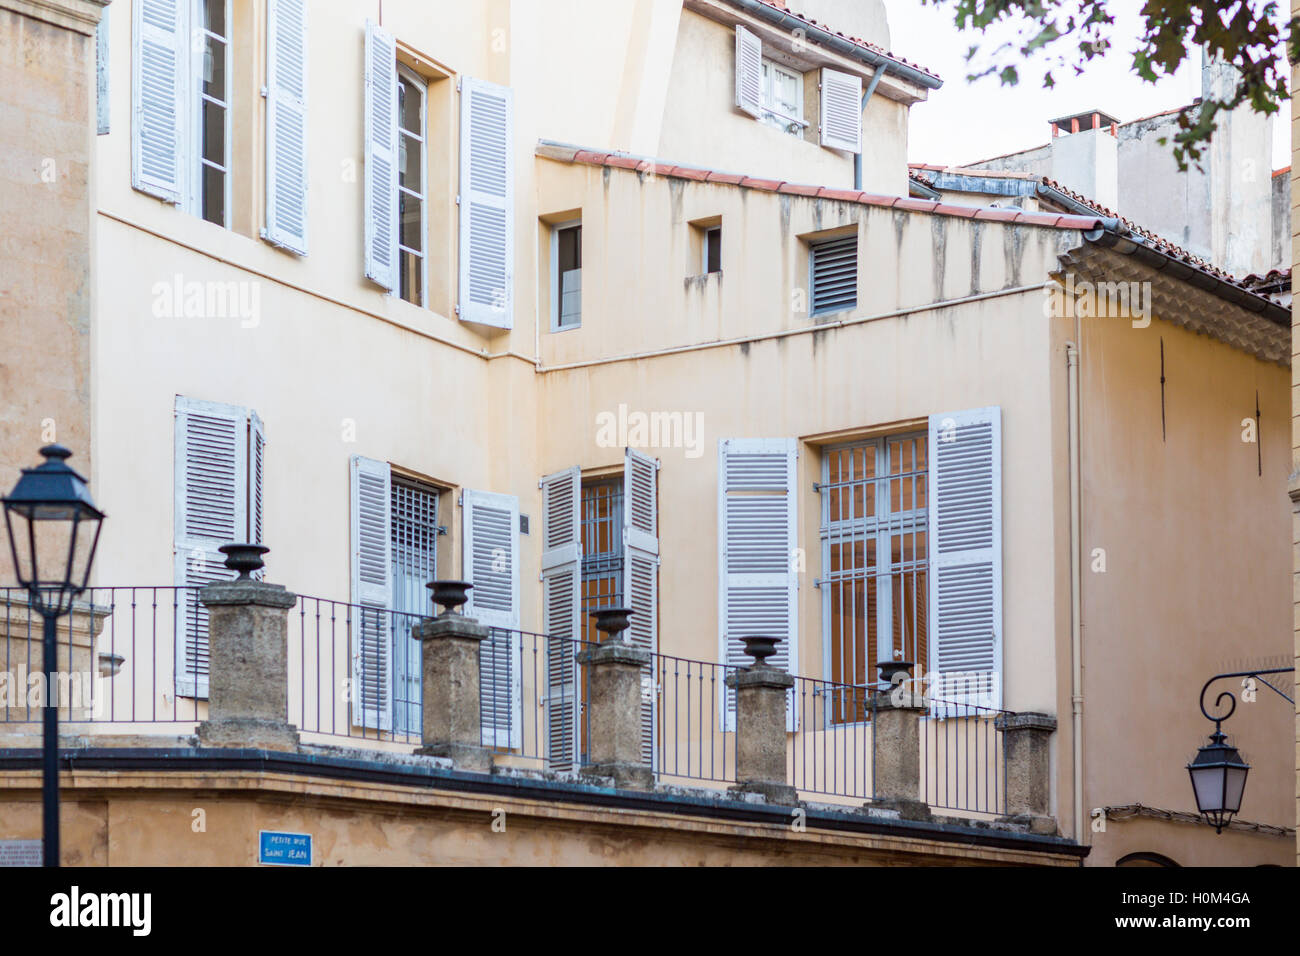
1076	580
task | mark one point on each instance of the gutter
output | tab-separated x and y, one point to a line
191	760
847	48
1113	234
1076	583
871	88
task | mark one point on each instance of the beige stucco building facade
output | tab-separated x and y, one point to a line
741	294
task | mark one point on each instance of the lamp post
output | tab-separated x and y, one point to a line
53	528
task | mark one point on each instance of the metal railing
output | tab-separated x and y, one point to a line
534	697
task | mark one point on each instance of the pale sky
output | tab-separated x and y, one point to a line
963	122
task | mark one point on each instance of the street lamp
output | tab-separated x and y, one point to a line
1218	775
53	528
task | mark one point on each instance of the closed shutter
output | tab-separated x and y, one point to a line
371	624
841	111
158	89
749	72
641	577
486	204
561	611
965	488
286	124
833	265
381	156
101	74
211	510
757	587
491	564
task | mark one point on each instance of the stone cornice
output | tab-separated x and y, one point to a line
80	16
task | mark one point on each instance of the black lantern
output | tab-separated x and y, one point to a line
53	529
1218	779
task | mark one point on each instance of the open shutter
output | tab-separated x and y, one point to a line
157	98
101	74
965	489
286	124
381	156
561	611
757	584
211	510
749	72
641	577
491	564
487	188
372	639
841	111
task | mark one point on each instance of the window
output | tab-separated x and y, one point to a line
413	530
211	194
874	582
833	274
602	550
411	94
566	276
713	249
782	98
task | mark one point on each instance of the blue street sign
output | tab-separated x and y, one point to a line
284	849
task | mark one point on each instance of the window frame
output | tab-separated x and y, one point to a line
403	644
556	229
195	98
704	249
773	117
421	86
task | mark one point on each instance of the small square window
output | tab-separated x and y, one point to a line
833	274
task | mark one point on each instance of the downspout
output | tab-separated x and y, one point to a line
1076	580
871	88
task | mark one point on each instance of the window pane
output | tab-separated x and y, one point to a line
570	248
214	195
412	278
214	133
409	103
409	161
411	217
713	251
214	68
214	16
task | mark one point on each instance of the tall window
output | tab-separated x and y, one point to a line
782	98
413	519
566	276
411	94
874	560
211	194
602	550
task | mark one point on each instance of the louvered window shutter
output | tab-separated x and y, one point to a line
841	111
211	510
491	564
833	264
158	87
561	611
101	74
486	204
286	124
641	576
381	156
965	488
757	529
256	471
372	589
749	72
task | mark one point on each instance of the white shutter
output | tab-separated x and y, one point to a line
256	472
757	531
965	490
641	577
749	72
101	74
833	265
286	124
211	509
487	188
562	611
158	90
491	564
841	110
381	156
371	624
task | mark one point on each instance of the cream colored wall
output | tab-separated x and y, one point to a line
1195	581
1295	410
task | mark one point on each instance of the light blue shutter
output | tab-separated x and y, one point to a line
487	189
641	577
286	124
749	72
757	534
381	157
371	624
158	89
491	564
965	491
841	110
562	611
211	509
101	74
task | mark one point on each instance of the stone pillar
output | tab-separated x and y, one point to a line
1027	754
614	670
896	744
761	692
22	654
451	713
248	658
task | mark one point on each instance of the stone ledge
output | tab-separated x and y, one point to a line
237	593
1026	721
79	16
